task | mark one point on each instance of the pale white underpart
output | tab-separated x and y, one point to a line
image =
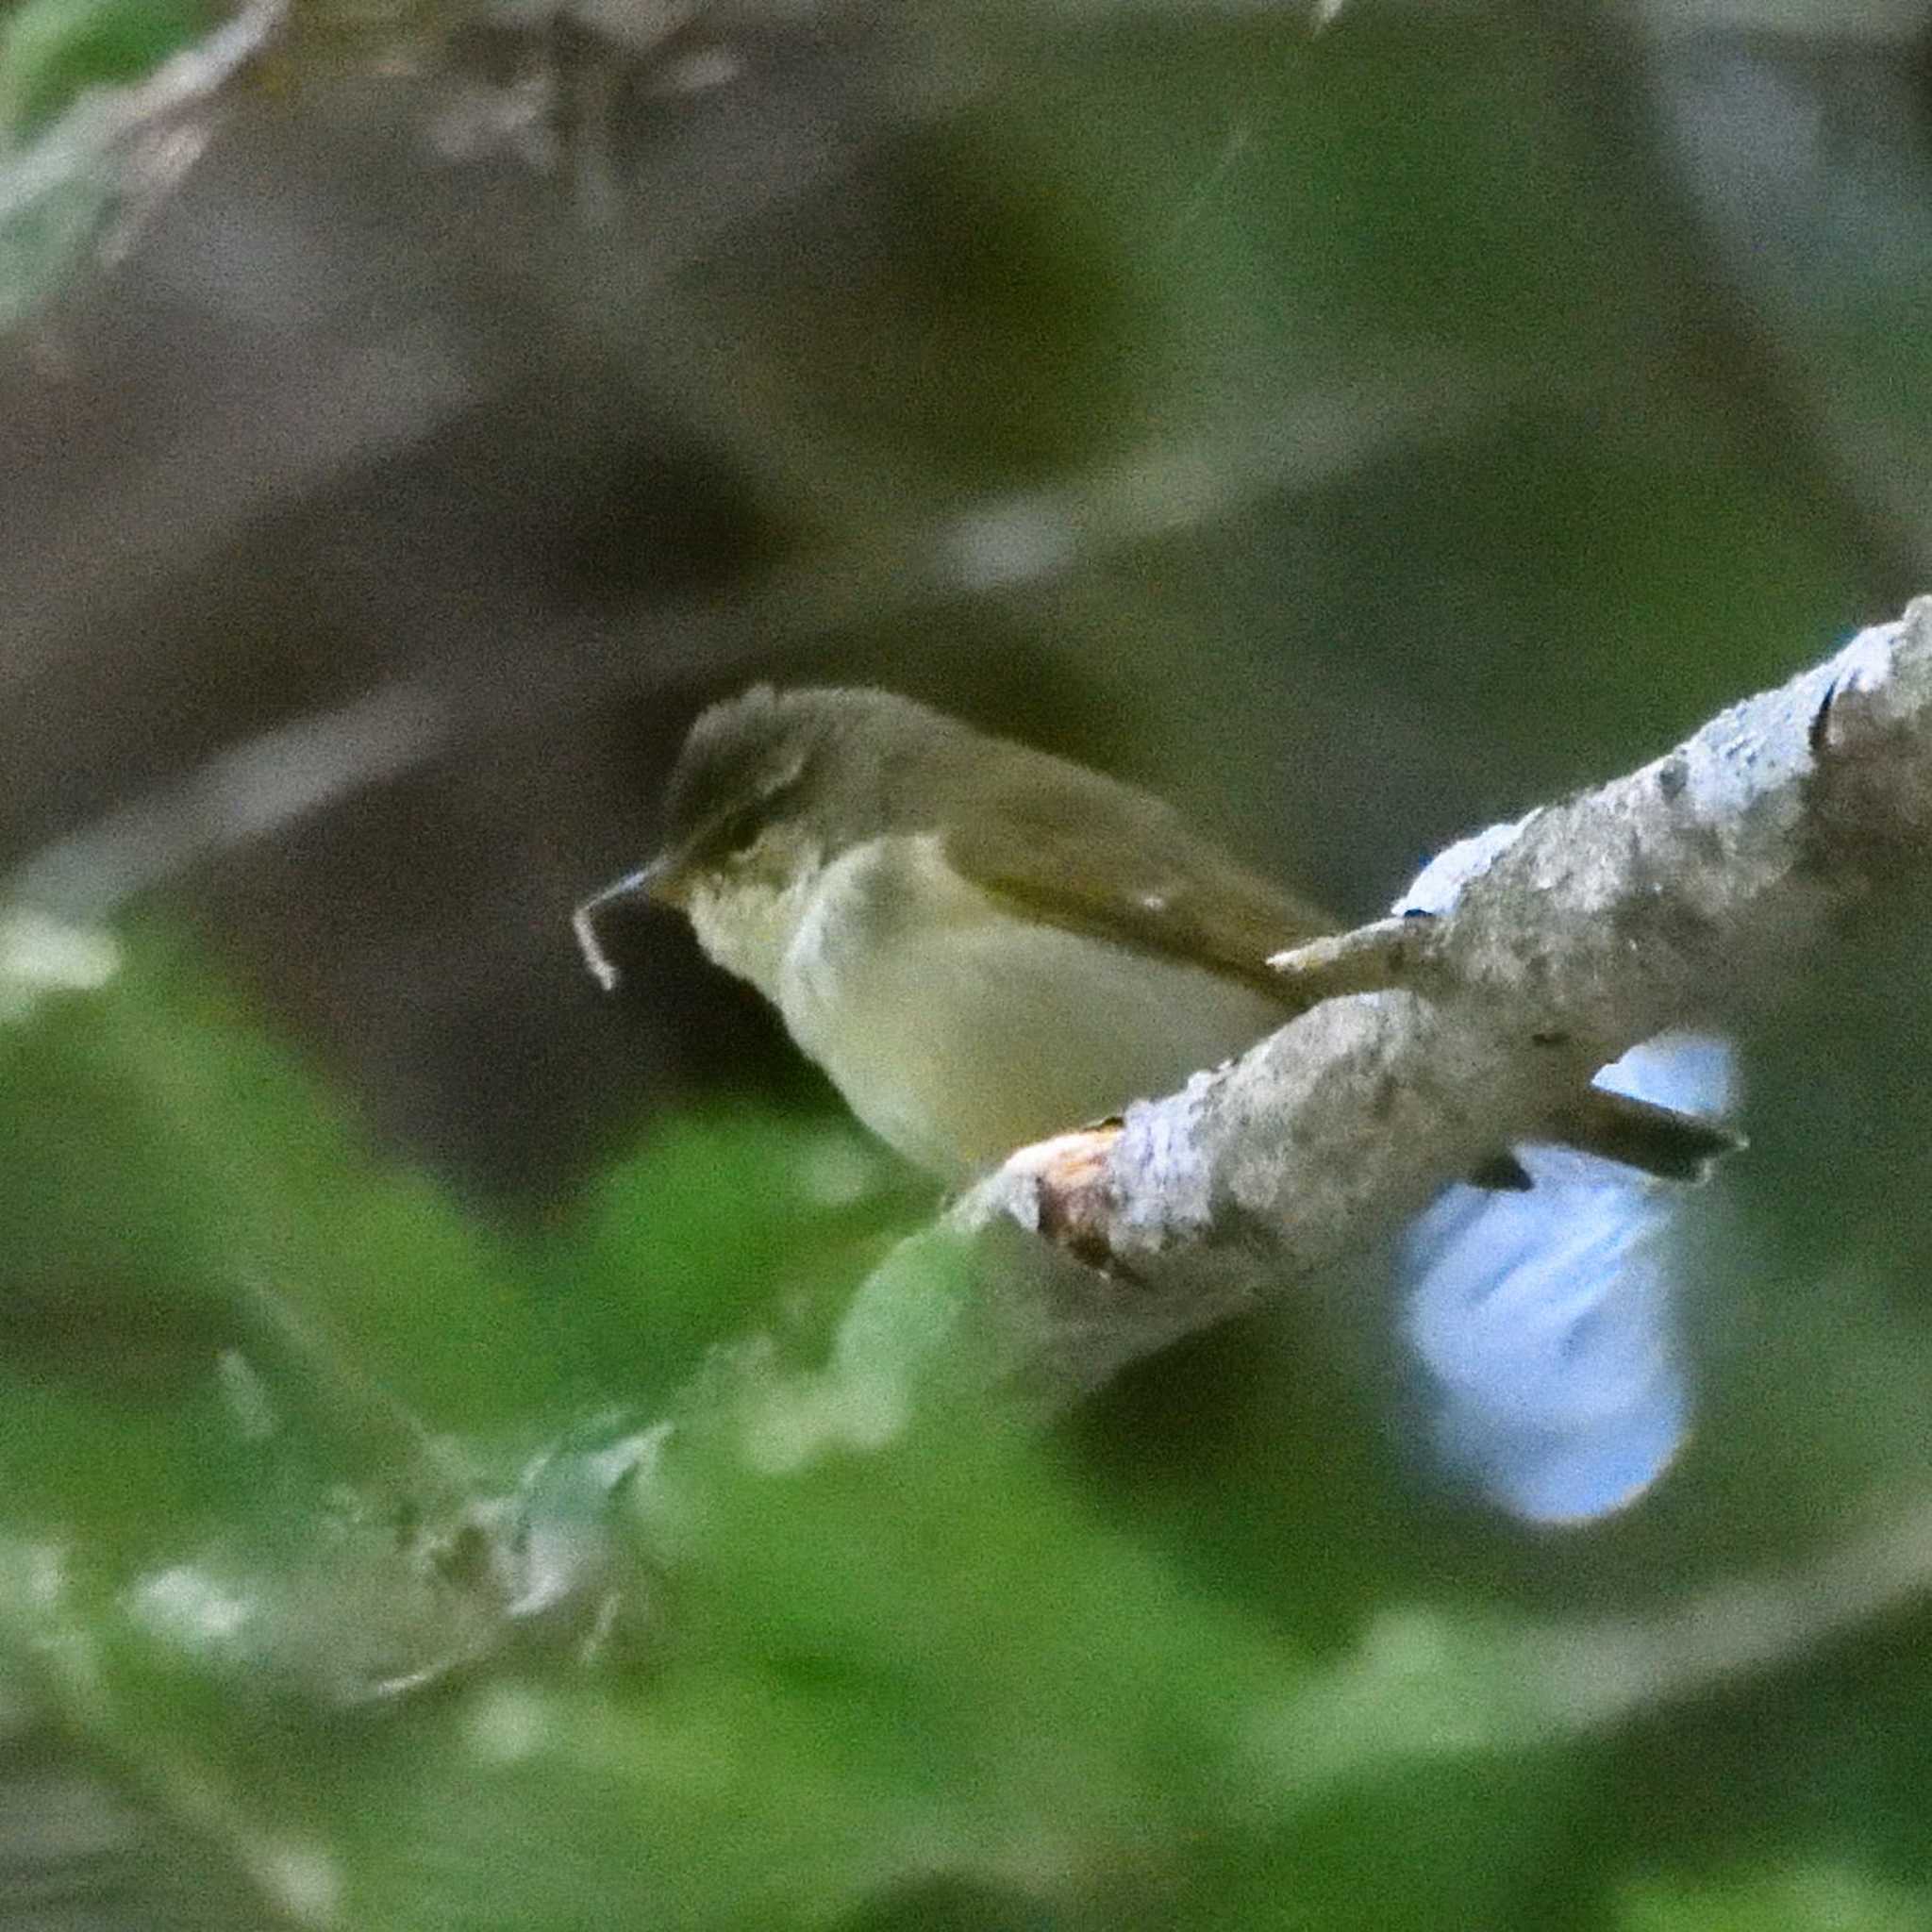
955	1030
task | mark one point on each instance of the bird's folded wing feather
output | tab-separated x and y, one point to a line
1128	870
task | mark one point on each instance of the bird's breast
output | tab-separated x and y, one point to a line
957	1029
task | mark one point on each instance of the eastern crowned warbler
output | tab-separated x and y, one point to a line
984	944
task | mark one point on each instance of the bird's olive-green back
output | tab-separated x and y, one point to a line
1056	841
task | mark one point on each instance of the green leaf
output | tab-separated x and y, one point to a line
719	1224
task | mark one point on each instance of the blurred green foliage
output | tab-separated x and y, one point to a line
51	50
59	188
265	1401
429	1576
1805	1898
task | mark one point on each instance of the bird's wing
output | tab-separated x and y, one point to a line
1130	871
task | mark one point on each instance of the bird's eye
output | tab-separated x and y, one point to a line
738	830
735	828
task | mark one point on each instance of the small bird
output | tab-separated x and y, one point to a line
983	944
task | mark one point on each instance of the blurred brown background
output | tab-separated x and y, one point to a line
1358	434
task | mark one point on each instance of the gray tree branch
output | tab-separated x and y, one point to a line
1555	944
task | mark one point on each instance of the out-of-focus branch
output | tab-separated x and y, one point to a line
91	177
1531	955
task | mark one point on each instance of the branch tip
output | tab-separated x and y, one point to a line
1068	1180
1404	951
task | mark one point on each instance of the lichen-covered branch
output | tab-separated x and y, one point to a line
1540	951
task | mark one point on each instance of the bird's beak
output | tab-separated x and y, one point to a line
663	881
